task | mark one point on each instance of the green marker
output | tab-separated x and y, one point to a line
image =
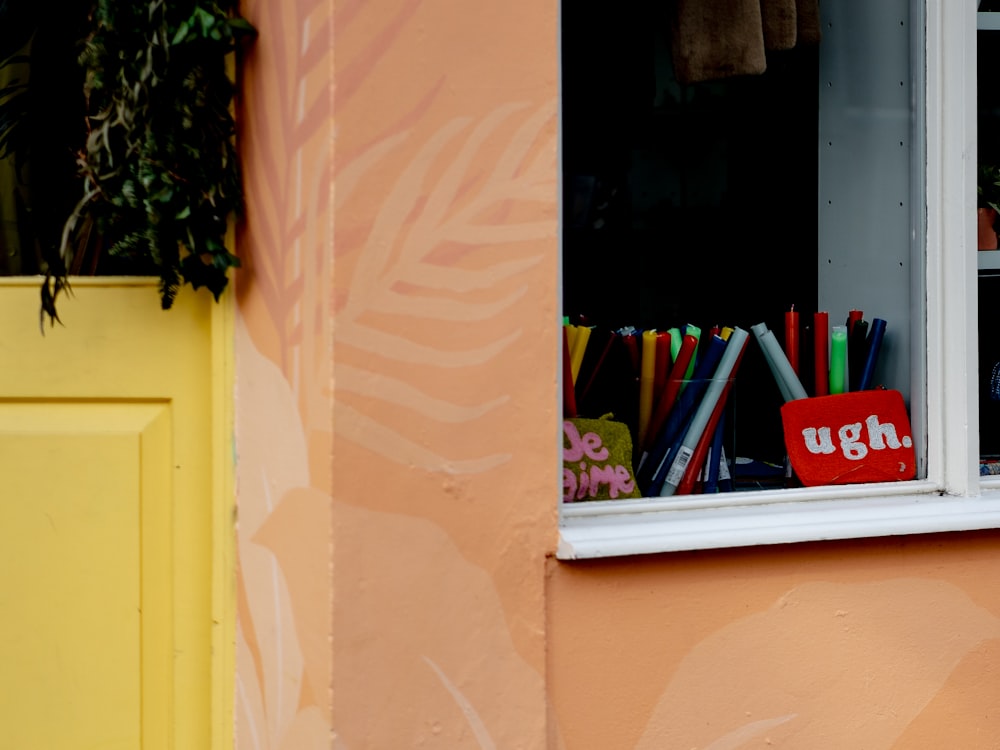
838	359
692	330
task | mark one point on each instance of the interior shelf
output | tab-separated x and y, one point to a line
988	21
989	260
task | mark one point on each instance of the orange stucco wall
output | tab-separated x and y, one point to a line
398	443
283	383
887	643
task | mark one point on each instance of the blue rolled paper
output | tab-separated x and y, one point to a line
871	358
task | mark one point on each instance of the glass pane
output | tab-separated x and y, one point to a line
988	256
42	133
726	188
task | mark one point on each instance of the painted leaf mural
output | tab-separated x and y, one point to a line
827	665
283	579
283	375
442	254
284	290
395	238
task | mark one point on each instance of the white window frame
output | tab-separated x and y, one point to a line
952	497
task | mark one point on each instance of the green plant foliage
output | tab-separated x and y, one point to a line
988	187
161	173
150	135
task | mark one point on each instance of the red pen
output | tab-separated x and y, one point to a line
673	387
853	316
662	365
632	346
697	461
792	338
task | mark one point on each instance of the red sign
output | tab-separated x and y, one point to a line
849	438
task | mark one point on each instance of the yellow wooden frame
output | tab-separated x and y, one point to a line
198	711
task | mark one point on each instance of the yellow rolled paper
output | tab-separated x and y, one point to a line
577	348
646	378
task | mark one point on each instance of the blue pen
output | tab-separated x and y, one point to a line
687	402
669	475
871	358
714	459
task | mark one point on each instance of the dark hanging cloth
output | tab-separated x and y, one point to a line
716	39
807	20
780	22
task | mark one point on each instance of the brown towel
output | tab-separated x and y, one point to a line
807	15
780	25
714	39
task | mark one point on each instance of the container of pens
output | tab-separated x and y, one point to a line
685	450
849	432
672	394
670	388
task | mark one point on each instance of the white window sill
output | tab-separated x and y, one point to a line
611	529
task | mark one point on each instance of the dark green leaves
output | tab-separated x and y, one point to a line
158	169
988	186
165	164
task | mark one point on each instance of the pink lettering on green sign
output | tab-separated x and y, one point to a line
585	481
589	445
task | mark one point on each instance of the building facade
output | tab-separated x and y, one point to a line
397	442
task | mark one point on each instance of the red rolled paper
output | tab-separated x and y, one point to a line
792	338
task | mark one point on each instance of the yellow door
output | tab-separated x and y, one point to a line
115	521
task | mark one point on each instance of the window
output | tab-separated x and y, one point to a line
819	205
41	131
988	188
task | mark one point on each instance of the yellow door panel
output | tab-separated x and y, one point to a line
112	500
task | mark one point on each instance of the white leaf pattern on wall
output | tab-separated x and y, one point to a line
272	666
412	264
831	658
749	731
404	395
468	710
381	439
442	196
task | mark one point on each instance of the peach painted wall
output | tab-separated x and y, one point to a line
397	438
401	167
880	644
283	383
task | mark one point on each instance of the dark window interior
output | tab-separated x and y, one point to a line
989	282
687	204
42	131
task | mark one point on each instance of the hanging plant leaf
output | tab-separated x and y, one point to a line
157	170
